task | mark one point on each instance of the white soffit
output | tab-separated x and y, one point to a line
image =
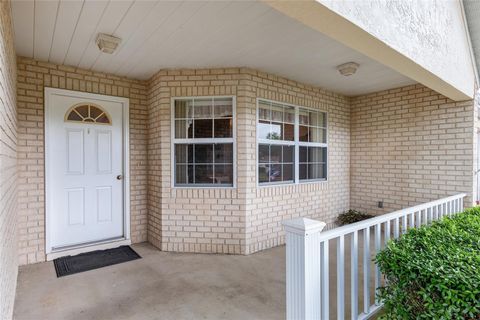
191	34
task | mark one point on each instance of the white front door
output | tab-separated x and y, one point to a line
85	169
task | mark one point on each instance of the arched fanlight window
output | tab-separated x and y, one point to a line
88	112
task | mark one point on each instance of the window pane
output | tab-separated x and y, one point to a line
302	172
181	174
203	153
263	153
313	119
224	153
263	173
275	131
223	174
223	128
303	132
183	108
203	174
223	108
303	154
203	108
315	134
263	129
183	153
316	171
314	165
264	110
83	111
73	116
275	172
203	128
288	154
275	153
316	154
95	112
277	113
190	174
103	119
288	172
322	119
303	116
180	128
289	115
288	132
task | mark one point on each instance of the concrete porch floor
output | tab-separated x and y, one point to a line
165	285
161	285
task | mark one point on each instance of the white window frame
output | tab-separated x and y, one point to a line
175	141
296	143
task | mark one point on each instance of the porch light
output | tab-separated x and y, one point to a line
347	69
107	43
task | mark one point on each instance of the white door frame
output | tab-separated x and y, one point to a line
49	92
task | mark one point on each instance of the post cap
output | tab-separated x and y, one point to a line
303	226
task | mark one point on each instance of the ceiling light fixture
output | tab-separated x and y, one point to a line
107	43
347	69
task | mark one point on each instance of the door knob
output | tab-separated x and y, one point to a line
119	177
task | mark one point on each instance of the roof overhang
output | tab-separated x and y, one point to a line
321	18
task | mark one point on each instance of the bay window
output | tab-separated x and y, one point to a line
203	142
291	142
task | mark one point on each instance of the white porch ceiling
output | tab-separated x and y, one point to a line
191	34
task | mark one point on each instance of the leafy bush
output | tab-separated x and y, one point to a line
434	272
352	216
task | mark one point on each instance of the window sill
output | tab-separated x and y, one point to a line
203	187
269	185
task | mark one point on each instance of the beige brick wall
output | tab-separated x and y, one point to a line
189	220
8	165
402	146
33	77
409	145
248	218
268	206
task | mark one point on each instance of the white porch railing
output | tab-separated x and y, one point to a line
309	269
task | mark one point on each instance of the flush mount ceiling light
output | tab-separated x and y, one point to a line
347	69
107	43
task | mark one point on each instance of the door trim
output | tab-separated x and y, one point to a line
49	92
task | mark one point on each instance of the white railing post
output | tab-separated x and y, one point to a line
303	268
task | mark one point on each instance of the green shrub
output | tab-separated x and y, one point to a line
434	272
352	216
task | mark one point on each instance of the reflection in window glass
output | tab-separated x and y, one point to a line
204	164
312	126
283	130
276	121
275	163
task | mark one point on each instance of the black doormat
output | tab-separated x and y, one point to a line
65	266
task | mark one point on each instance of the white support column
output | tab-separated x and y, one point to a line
303	268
